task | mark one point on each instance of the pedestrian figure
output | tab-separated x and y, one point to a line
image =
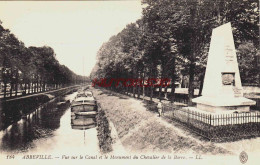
159	107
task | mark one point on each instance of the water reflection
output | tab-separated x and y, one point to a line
83	122
46	129
41	123
13	111
67	140
83	112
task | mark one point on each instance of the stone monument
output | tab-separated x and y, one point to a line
222	89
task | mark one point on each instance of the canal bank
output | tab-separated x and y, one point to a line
109	142
103	132
48	130
12	110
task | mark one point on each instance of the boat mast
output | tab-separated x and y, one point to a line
83	73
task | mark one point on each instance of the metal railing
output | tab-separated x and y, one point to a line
217	127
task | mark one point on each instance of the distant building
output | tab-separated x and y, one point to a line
258	60
169	89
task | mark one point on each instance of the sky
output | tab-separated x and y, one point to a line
75	30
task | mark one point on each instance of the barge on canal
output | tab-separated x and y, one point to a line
84	111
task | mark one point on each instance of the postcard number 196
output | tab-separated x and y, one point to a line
9	156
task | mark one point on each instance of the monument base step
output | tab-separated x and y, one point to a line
224	101
216	111
222	104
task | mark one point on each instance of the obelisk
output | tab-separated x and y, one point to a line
222	89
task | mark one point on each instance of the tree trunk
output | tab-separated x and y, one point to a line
138	92
134	91
151	93
4	81
29	87
165	90
201	84
143	86
5	85
173	80
37	85
16	82
134	87
34	85
191	80
11	90
11	83
40	85
43	86
133	84
160	92
15	89
151	88
138	87
25	87
160	87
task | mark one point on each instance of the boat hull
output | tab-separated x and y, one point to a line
83	127
83	113
83	122
83	108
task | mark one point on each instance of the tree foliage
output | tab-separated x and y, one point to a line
172	39
30	68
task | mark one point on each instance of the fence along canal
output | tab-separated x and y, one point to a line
217	127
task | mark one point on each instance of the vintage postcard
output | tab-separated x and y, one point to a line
130	82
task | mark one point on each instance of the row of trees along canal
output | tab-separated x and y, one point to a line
172	38
30	69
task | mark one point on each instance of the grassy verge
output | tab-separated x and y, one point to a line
157	138
104	132
119	111
141	130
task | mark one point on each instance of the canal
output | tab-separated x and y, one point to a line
47	129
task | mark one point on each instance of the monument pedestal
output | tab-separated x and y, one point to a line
223	104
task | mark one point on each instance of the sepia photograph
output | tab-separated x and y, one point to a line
130	82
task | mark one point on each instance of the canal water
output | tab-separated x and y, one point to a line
48	130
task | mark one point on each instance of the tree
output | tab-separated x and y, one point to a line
247	57
172	40
30	68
